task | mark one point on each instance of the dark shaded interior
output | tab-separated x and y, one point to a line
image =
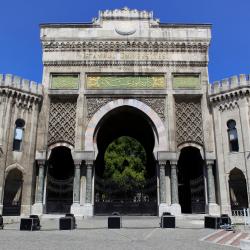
13	193
126	121
191	177
60	181
238	190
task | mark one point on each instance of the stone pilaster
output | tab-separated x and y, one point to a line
162	171
77	178
175	207
39	191
211	208
37	208
89	168
174	184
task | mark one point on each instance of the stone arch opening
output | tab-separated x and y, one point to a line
191	180
157	125
238	190
13	193
60	176
132	122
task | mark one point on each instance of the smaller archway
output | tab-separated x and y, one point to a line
238	190
13	193
191	180
60	175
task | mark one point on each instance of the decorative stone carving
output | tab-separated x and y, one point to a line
105	63
149	46
188	121
62	116
95	103
156	103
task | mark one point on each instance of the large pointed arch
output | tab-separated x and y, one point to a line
157	124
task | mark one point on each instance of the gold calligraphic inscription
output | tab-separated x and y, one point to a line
125	82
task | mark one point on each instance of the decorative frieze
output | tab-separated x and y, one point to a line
156	103
105	63
114	46
188	121
62	120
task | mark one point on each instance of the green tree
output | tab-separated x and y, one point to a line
125	161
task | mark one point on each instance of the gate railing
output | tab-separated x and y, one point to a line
241	216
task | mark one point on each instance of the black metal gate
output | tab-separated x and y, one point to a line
59	195
197	195
111	197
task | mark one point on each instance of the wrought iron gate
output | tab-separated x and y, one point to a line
110	197
197	195
59	195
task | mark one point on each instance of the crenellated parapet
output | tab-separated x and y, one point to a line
23	91
228	90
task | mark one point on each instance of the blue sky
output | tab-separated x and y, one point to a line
20	48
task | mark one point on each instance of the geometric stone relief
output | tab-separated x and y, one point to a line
156	103
62	120
188	121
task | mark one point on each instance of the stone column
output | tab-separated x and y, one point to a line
77	179
174	184
162	177
39	190
89	166
37	208
210	183
212	207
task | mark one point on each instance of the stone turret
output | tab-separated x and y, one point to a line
229	84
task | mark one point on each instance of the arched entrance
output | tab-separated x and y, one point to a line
238	190
13	193
191	181
131	122
59	192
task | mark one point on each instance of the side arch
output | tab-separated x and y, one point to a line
59	144
191	144
158	126
15	166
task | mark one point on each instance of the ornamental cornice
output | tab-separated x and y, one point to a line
230	96
136	45
19	98
105	63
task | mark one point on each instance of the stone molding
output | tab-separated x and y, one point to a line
126	63
156	103
123	45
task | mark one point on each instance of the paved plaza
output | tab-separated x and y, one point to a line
137	233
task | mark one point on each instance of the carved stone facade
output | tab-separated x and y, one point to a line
188	121
155	72
62	120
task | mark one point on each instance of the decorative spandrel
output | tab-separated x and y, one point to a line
188	121
186	81
126	82
64	81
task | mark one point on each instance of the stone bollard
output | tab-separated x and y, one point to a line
245	244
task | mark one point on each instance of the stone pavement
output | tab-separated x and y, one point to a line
137	233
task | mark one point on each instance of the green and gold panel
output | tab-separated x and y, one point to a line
186	81
64	81
125	82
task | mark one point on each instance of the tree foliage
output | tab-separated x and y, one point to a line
125	161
